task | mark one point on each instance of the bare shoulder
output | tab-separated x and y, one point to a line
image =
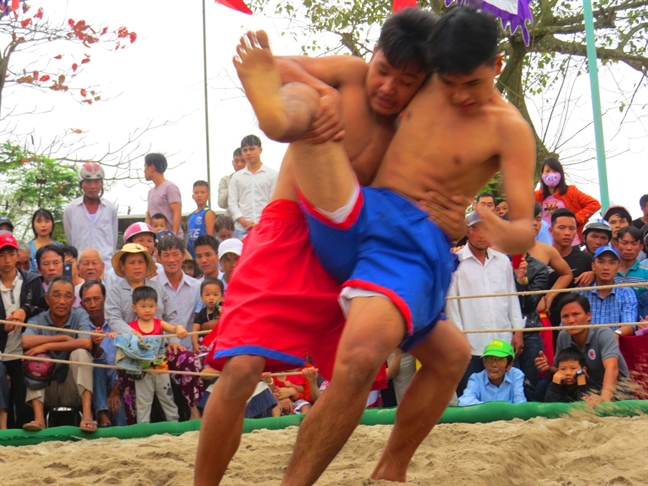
336	71
510	121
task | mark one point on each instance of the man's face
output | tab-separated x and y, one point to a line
477	237
93	302
496	367
172	260
158	225
50	266
228	262
628	247
90	266
252	154
564	231
60	298
224	234
390	89
502	209
617	222
146	240
149	170
8	259
200	195
537	223
6	227
469	92
596	239
207	260
573	314
485	203
605	268
92	188
570	369
23	261
238	163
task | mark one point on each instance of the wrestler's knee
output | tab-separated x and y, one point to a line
241	374
357	367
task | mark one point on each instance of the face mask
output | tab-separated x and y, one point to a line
551	179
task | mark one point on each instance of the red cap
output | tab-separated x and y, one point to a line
7	239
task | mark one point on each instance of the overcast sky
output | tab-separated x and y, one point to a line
160	78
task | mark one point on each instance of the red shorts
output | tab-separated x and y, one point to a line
280	304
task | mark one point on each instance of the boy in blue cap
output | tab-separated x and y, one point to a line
499	381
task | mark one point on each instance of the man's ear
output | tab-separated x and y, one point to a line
134	308
499	61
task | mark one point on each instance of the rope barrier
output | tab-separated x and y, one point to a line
555	328
549	291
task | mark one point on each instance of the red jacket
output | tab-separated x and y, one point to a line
583	205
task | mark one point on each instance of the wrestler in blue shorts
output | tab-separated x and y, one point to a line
382	244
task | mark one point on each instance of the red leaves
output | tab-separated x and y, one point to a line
44	78
89	101
122	32
133	37
25	23
83	92
39	15
76	130
35	75
75	67
59	57
85	60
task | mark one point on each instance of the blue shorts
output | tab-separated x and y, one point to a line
388	246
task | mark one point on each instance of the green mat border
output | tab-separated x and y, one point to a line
488	412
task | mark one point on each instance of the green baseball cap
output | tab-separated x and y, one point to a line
498	348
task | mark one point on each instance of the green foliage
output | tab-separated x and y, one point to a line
29	181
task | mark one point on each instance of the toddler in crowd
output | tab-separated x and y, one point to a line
499	381
153	384
291	391
229	252
201	221
211	293
159	222
569	383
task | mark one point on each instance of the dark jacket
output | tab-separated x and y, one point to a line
32	301
538	276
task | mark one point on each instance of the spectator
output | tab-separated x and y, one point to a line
502	208
638	223
6	224
238	162
224	228
201	221
289	391
206	248
43	228
72	384
482	270
91	265
211	295
183	290
27	287
90	220
229	252
159	223
643	308
49	259
596	234
484	201
554	194
24	256
165	196
630	270
605	364
563	232
611	305
105	398
499	382
135	265
71	270
569	383
251	188
190	267
618	217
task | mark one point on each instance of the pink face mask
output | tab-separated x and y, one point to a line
551	179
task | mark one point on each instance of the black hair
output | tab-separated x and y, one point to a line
91	283
634	232
212	281
556	166
561	213
194	267
572	297
206	240
643	200
463	39
499	201
238	152
483	195
59	278
144	293
158	161
160	216
404	38
223	221
70	250
170	242
47	214
250	140
44	249
537	209
571	354
201	183
619	211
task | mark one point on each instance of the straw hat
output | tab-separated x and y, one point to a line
151	268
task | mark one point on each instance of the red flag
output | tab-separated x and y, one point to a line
399	5
15	5
236	5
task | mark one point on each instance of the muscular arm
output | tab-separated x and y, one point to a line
561	267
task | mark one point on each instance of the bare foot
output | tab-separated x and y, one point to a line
280	118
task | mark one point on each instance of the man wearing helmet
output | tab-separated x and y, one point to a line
595	235
90	221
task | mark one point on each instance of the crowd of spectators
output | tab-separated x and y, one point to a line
166	280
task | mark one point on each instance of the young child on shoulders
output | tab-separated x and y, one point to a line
201	221
499	381
569	383
153	384
211	294
160	223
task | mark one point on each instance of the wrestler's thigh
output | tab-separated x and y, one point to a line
446	344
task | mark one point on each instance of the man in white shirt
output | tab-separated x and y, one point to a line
90	221
250	189
238	162
483	271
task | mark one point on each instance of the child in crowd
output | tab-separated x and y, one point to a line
153	384
201	221
224	227
291	391
159	223
569	383
211	293
229	252
190	267
43	228
499	381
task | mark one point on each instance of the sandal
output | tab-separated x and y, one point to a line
89	426
34	426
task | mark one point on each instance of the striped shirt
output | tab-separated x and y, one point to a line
637	273
620	305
